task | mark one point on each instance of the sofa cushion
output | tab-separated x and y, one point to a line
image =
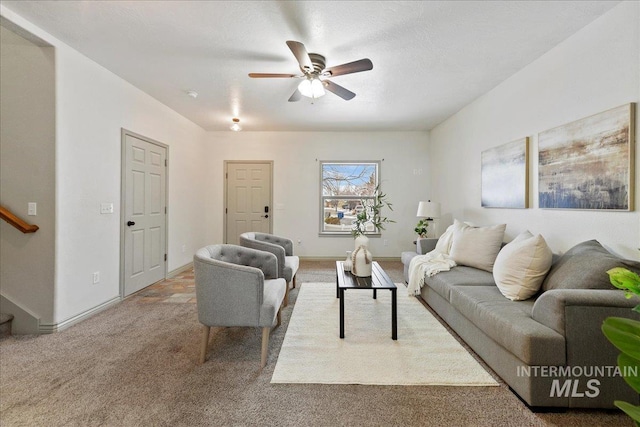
476	246
521	266
585	267
509	323
443	282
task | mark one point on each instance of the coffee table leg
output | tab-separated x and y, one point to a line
375	295
394	316
341	313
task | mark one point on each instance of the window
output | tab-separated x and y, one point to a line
347	188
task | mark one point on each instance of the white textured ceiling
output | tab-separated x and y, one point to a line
430	59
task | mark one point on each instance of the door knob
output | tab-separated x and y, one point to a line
130	223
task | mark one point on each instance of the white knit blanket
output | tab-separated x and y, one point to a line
422	266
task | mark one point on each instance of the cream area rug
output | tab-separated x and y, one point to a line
424	353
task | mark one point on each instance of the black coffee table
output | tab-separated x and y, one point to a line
378	280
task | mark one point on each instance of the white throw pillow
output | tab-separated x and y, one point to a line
476	246
443	245
521	266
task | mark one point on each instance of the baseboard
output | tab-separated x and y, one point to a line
56	327
333	258
24	321
179	270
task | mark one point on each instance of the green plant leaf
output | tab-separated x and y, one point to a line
629	409
626	280
624	334
628	365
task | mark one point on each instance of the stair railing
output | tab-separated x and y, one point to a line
18	223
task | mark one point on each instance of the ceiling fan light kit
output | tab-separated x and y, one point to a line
311	88
312	66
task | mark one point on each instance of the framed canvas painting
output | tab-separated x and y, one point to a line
589	163
505	177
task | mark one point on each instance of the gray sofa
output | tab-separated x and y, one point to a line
533	344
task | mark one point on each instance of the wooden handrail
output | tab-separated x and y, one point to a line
8	216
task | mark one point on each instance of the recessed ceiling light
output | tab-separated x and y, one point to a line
192	93
236	125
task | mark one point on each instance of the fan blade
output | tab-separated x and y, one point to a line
269	75
296	96
343	93
351	67
300	52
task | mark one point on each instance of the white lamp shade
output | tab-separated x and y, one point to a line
428	209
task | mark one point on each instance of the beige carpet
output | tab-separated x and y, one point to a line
424	354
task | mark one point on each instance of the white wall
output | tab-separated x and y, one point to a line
297	186
596	69
27	171
92	105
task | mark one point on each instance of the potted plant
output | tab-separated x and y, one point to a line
625	335
421	228
370	216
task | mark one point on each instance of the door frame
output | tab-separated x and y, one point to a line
225	192
123	135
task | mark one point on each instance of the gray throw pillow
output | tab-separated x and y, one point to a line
585	267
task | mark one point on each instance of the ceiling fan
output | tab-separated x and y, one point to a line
312	66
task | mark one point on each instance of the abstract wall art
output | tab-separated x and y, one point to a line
504	175
589	163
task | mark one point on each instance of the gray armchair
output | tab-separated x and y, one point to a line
279	246
237	286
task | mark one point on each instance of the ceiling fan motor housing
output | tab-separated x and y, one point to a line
319	62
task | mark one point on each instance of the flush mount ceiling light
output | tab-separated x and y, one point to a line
236	125
192	93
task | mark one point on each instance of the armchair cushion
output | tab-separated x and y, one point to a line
274	291
291	265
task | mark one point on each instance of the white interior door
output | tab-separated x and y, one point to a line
248	202
144	209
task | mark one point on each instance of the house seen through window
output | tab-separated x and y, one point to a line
348	188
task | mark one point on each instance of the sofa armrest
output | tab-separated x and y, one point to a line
578	315
424	246
551	307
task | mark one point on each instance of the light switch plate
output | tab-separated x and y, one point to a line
106	208
32	208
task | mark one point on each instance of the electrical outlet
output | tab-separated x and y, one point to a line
184	248
300	242
96	277
386	242
32	208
